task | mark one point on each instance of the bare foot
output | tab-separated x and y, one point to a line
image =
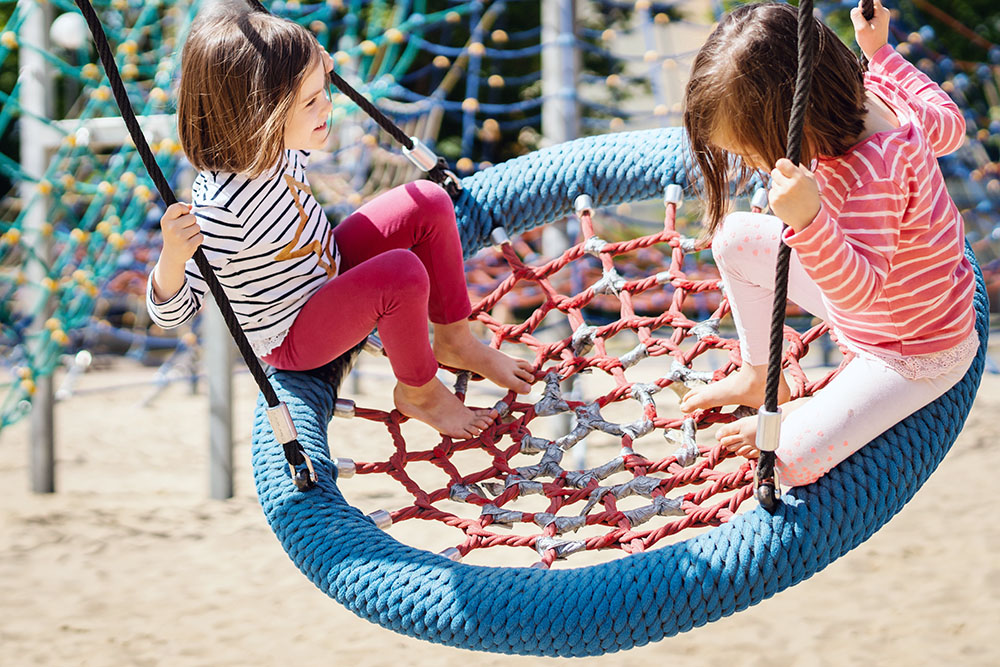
740	437
743	387
455	346
437	407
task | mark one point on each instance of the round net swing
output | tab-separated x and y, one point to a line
652	592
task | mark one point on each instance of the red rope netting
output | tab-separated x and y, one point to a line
674	477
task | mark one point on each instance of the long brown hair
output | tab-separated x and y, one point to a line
240	74
741	88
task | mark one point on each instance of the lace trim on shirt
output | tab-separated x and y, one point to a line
920	366
265	346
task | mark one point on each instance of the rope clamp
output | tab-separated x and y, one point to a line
453	180
775	485
423	157
673	194
583	205
281	423
426	160
345	467
768	429
373	345
499	236
343	408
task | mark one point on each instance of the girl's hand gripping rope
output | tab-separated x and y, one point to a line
181	238
794	195
871	35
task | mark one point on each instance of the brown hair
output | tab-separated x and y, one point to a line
741	87
240	74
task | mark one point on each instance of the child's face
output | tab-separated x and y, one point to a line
307	125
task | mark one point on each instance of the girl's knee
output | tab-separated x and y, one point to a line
404	273
433	198
744	235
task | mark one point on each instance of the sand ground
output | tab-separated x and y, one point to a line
130	563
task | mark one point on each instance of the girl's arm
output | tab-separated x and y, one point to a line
940	117
176	289
848	251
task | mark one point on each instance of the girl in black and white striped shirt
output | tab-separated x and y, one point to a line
252	102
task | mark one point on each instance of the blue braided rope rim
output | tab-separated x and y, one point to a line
636	599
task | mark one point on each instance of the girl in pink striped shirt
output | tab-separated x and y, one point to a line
877	243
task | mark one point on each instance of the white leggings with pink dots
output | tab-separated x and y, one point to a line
865	399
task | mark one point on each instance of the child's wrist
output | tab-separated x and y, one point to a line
171	260
874	52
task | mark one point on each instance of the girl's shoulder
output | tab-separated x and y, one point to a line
217	188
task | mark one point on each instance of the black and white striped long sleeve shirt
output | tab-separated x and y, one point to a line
270	244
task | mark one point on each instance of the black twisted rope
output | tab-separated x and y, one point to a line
806	54
868	11
800	102
293	450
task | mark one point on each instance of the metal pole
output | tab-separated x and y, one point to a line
560	110
560	71
560	123
35	99
218	359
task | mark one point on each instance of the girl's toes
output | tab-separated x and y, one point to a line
690	402
725	430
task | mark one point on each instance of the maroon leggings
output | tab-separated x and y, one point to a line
400	266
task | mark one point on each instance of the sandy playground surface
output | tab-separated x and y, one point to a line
129	563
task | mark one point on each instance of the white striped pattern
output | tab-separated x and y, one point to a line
887	246
271	247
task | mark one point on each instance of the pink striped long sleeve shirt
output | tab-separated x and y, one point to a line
887	246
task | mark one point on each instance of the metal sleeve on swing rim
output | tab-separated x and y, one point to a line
281	423
421	155
499	236
768	429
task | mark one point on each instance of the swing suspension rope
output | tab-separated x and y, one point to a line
769	415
